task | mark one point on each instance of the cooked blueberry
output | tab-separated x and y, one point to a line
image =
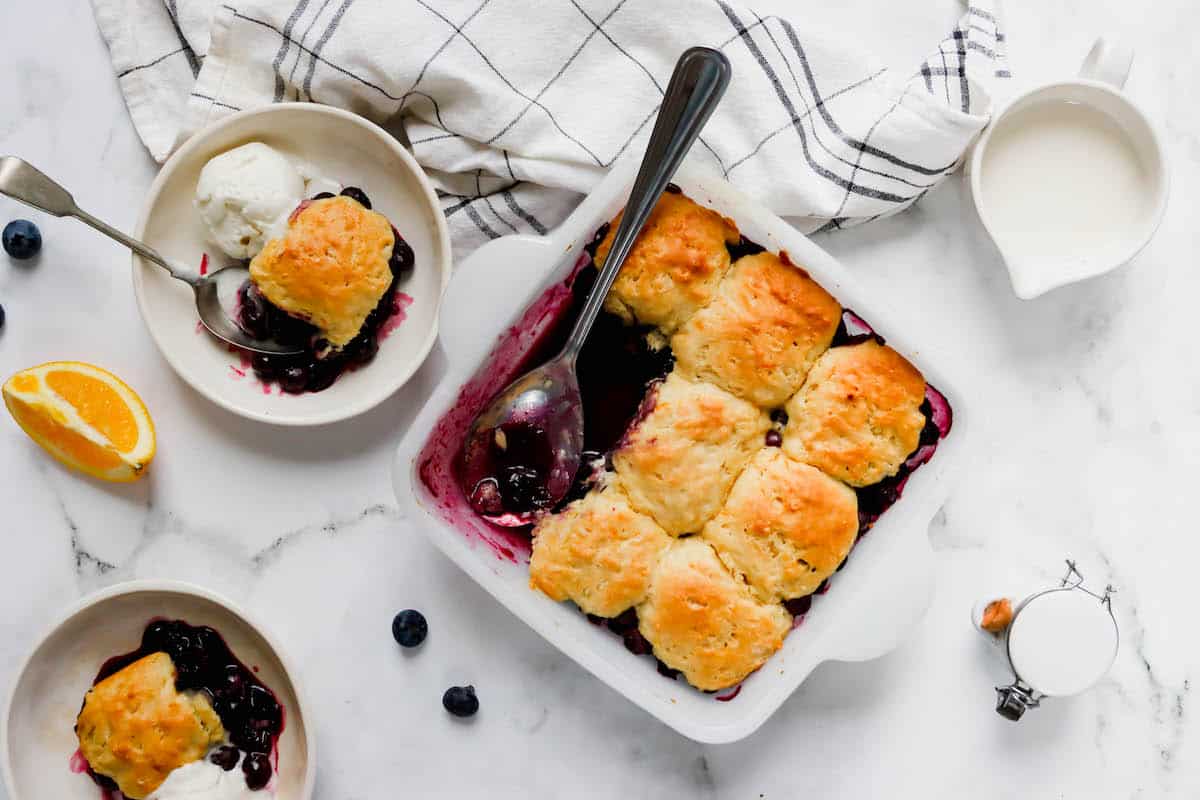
322	196
322	373
225	757
624	622
265	366
22	239
798	606
253	314
257	769
636	643
779	417
461	701
403	257
294	379
362	350
252	739
409	628
774	439
355	193
523	489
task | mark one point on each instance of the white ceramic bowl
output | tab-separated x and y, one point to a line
872	603
344	148
38	739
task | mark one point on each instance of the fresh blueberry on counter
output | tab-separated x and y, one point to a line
409	628
355	193
22	239
461	701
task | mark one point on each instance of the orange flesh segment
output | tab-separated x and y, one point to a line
73	445
24	383
99	405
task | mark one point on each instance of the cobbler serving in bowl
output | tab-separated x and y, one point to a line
743	431
325	271
179	716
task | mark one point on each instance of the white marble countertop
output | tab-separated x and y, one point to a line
1087	404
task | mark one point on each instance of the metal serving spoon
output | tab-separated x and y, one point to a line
21	181
541	412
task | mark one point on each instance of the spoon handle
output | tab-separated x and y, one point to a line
22	181
696	86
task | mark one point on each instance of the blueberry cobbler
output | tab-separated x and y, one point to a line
743	430
179	717
324	271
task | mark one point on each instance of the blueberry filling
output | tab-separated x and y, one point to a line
249	711
319	365
744	247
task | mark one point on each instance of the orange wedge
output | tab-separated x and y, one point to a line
84	416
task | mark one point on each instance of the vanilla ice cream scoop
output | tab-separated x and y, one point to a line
245	196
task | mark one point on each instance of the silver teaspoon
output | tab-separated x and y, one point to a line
21	181
537	421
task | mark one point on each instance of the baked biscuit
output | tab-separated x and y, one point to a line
762	332
330	268
674	266
678	463
858	415
598	552
786	526
136	728
706	623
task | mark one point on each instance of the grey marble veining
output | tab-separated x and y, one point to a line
1087	412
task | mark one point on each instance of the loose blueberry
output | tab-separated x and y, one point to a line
355	193
409	628
22	239
774	439
225	757
461	701
322	196
257	769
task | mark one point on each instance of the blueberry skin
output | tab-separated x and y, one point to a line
322	196
355	193
21	239
461	701
409	628
257	770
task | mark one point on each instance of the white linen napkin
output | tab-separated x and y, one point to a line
517	106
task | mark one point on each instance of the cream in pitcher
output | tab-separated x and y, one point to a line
1070	180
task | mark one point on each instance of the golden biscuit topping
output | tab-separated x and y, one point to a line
330	268
135	727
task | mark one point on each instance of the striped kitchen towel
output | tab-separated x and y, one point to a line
515	107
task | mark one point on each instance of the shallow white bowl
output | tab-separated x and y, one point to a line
872	604
339	146
38	738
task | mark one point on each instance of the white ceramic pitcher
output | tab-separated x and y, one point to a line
1115	237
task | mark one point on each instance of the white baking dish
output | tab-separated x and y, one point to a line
872	603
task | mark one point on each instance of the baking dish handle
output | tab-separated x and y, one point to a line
879	628
505	268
